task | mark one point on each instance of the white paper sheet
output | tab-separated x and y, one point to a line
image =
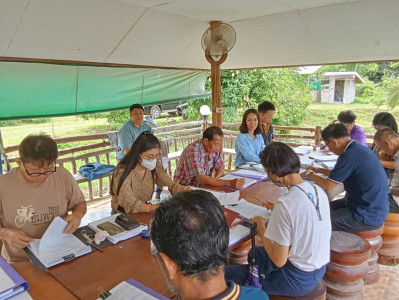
302	150
324	157
125	290
248	181
250	174
237	233
224	198
250	210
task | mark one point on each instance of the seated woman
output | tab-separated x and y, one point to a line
384	120
249	143
296	242
356	133
137	173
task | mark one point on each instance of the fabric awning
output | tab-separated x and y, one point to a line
40	89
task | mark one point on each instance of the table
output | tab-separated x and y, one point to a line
132	258
42	285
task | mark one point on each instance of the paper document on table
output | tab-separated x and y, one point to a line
224	198
55	246
319	158
328	164
11	283
250	210
305	161
132	289
254	174
248	181
301	150
238	233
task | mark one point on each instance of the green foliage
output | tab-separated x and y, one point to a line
387	93
245	89
24	121
370	71
115	118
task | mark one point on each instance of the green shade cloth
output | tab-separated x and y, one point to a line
39	89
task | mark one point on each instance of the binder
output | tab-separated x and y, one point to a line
11	283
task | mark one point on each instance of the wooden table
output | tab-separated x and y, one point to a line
42	285
127	259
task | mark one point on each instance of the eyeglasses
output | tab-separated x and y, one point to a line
37	174
328	143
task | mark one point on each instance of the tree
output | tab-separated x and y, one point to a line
245	89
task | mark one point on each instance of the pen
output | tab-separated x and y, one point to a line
95	246
90	241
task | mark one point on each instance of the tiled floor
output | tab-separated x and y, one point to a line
387	287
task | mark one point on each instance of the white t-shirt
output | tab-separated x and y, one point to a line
295	222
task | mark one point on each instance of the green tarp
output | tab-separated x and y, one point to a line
39	89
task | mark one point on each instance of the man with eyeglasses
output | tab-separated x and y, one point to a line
33	194
365	206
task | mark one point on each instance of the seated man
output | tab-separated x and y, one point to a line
388	141
33	194
266	111
191	236
203	157
365	206
131	130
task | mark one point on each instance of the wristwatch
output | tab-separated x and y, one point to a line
308	172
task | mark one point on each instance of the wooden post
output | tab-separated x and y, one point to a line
317	134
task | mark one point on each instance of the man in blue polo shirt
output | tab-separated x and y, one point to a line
131	130
191	236
365	206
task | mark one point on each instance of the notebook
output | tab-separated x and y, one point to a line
224	198
124	235
254	174
56	247
249	210
248	181
11	283
131	289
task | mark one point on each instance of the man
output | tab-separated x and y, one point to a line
33	194
191	237
365	206
131	130
388	141
266	112
201	159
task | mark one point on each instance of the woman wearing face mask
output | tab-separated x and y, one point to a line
137	173
296	242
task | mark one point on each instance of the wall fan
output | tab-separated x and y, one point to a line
218	39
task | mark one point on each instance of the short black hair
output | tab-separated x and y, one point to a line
136	105
210	132
385	119
280	159
191	229
265	106
346	117
334	131
40	147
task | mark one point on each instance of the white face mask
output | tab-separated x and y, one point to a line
148	164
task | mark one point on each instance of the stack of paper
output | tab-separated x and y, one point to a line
224	198
56	247
254	174
305	161
319	158
302	150
126	234
248	181
237	234
132	289
11	283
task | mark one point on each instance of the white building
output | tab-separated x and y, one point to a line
341	87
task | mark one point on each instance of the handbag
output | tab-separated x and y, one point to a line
95	170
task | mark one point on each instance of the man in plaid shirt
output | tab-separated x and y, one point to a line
201	162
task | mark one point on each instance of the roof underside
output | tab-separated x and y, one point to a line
167	33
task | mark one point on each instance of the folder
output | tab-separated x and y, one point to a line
11	283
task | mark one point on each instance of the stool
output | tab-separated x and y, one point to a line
347	267
389	252
318	293
375	240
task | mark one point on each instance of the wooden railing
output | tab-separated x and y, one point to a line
176	137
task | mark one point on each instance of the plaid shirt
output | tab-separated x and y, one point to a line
194	161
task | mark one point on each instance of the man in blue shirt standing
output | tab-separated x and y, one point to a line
365	206
131	130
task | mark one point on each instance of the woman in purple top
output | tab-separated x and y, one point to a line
347	118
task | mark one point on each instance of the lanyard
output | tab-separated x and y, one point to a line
311	198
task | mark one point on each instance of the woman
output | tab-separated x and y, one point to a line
296	242
347	118
137	173
249	143
380	121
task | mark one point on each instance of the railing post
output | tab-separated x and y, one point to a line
317	135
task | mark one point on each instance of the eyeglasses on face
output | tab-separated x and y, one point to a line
37	174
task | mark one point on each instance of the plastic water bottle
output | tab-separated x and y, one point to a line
165	193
